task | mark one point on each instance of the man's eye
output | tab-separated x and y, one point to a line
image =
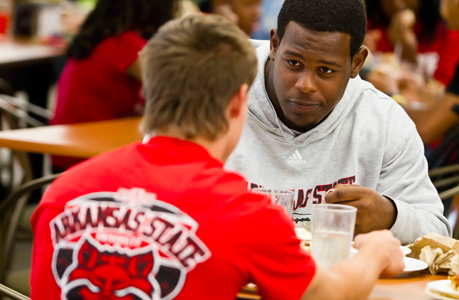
326	70
293	63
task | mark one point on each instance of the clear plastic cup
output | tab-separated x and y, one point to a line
285	198
332	229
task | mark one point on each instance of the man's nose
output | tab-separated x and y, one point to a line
305	82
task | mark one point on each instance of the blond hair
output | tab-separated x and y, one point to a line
192	68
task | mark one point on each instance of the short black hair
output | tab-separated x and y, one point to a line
346	16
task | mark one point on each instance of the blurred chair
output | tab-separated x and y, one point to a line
6	88
16	174
21	110
446	181
447	152
12	294
15	237
15	114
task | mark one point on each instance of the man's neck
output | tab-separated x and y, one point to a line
215	148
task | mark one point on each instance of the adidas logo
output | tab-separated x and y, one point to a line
296	158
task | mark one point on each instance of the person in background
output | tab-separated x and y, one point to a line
434	120
315	127
164	219
101	79
414	31
442	117
245	13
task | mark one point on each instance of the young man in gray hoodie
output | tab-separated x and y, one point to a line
314	126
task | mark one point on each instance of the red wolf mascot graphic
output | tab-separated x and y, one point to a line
111	275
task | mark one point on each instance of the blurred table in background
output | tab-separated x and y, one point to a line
77	140
31	67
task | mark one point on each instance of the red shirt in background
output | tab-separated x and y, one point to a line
97	88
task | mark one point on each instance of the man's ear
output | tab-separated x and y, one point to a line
273	43
238	104
358	60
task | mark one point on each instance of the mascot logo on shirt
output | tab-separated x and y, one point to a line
123	245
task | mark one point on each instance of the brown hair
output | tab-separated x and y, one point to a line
192	68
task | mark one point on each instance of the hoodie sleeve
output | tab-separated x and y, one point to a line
404	178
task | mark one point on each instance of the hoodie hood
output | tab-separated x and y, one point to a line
262	111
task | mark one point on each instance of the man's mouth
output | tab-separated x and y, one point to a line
303	106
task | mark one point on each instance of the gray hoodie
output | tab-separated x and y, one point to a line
367	140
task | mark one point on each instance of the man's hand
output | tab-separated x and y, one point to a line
374	211
382	245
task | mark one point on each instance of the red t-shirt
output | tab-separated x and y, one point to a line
162	218
97	88
436	58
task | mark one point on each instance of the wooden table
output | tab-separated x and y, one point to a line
78	140
409	287
403	288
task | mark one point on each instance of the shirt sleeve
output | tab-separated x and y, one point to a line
404	179
272	254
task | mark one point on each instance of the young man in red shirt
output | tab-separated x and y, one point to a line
164	220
